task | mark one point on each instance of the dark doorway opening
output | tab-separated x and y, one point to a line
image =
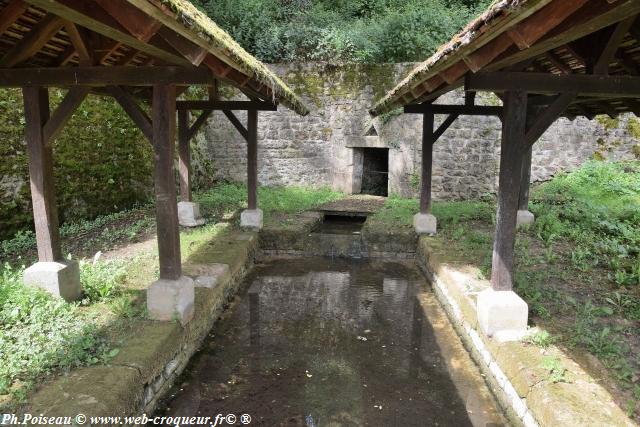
375	171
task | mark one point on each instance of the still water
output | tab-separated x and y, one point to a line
320	342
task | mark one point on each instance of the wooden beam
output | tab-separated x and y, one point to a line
237	124
168	230
613	43
131	107
63	113
184	156
105	76
513	131
10	14
32	42
525	180
85	14
547	117
45	213
201	120
586	85
79	44
428	139
461	110
227	105
252	159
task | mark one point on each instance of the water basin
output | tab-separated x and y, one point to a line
321	342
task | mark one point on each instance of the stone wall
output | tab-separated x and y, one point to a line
325	148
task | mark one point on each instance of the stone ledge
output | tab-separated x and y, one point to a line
524	390
155	354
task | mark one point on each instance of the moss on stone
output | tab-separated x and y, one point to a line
633	126
102	163
608	122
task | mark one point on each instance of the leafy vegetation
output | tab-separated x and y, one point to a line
41	334
371	31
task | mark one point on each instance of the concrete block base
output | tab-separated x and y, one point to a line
171	300
425	223
525	218
60	278
189	214
502	315
251	219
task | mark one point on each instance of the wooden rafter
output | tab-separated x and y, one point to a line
87	15
79	44
609	51
33	41
10	14
462	110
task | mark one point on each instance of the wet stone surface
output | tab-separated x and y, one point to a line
320	342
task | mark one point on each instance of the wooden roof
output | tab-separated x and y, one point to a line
559	37
45	34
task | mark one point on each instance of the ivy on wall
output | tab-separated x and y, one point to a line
102	162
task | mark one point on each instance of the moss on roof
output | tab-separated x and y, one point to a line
427	69
191	17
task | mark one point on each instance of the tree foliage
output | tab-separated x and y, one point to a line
370	31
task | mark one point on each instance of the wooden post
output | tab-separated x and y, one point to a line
164	125
184	156
523	202
45	214
252	158
513	136
427	160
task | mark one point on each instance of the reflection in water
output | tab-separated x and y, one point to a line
321	342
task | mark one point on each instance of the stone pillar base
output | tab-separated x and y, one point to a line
502	315
251	219
60	278
189	214
171	300
425	224
525	218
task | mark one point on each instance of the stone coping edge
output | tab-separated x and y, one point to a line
514	370
151	359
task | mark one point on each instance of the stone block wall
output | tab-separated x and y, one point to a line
325	148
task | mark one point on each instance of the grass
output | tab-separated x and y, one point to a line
577	268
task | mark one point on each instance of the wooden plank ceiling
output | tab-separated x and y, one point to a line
600	37
68	33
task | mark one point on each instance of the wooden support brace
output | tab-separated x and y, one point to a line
237	124
131	107
45	214
444	126
252	158
546	118
164	118
513	132
63	113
